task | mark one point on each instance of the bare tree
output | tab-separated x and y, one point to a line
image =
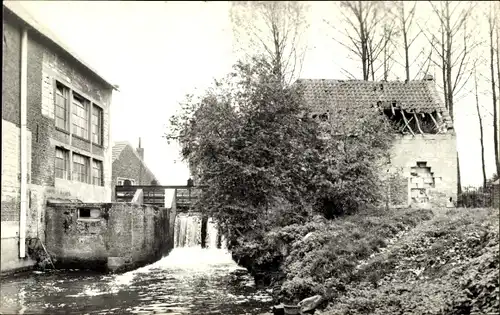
275	29
453	48
406	24
481	137
388	48
454	58
363	20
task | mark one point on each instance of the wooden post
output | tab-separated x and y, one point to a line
418	123
409	191
407	122
436	123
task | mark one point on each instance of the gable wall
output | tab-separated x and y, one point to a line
440	154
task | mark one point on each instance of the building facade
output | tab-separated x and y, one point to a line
422	165
128	164
55	132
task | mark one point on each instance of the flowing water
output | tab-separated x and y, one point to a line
190	280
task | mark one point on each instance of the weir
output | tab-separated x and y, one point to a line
188	232
191	228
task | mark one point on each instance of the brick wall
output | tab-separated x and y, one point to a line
128	165
136	234
55	65
439	153
45	64
11	70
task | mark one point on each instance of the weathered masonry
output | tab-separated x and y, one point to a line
108	236
55	132
422	166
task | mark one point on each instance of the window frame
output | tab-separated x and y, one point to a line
86	167
65	94
123	179
66	162
100	170
76	117
100	124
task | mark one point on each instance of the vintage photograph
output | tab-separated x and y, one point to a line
250	157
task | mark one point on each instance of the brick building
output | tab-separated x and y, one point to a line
424	157
128	164
55	131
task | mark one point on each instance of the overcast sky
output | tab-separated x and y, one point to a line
159	51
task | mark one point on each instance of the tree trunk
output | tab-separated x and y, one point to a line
481	138
449	84
495	108
459	181
407	59
443	68
494	93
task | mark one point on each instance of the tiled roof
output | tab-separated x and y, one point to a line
17	8
117	149
418	96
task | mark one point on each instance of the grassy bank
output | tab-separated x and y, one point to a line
447	265
321	256
405	261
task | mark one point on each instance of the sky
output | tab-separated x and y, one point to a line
157	52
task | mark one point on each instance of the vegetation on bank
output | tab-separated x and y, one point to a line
299	201
321	256
448	265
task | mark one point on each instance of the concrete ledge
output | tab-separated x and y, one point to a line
17	271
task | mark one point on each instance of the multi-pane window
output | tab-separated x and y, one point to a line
120	181
96	125
80	117
61	106
97	173
61	163
80	168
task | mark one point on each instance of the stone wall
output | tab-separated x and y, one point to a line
122	237
438	152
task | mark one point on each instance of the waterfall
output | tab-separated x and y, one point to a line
188	231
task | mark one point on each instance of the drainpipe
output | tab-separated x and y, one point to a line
23	149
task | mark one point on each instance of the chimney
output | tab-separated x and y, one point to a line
140	150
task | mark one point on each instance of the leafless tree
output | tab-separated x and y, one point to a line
453	47
388	48
405	15
481	136
365	34
275	29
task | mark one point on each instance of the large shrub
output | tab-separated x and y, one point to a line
251	140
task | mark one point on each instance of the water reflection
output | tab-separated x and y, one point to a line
187	281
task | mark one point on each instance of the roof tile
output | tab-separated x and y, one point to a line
414	96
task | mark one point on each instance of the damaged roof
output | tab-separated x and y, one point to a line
420	96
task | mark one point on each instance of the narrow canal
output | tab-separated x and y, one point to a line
190	280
